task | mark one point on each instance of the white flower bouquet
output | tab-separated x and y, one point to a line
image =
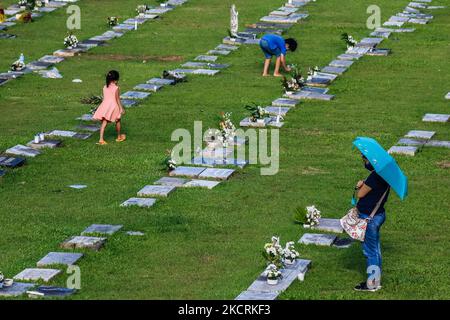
289	253
141	9
295	82
273	274
312	71
18	66
71	41
257	112
113	21
273	252
312	216
227	129
169	162
349	40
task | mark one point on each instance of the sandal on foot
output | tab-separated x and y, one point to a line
102	143
122	137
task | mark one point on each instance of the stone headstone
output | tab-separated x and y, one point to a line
108	229
161	82
61	258
172	182
420	134
128	103
341	63
411	142
277	110
438	143
11	162
139	202
148	87
155	191
21	150
329	225
134	95
201	184
17	289
317	239
403	150
51	59
256	295
219	52
89	127
212	173
283	102
226	47
206	58
135	233
35	274
433	117
83	242
335	70
50	144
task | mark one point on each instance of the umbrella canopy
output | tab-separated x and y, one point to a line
384	164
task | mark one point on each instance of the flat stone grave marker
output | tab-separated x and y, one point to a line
68	134
433	117
3	81
128	103
39	65
161	10
213	162
78	186
329	225
335	70
11	162
173	182
436	7
217	152
280	13
393	24
404	150
8	24
161	82
11	75
148	87
379	52
256	295
411	10
207	72
318	81
63	258
358	50
55	4
17	289
383	34
283	102
2	173
212	173
226	47
12	12
397	18
67	52
219	52
7	36
206	58
132	21
83	242
317	239
51	144
135	233
86	117
316	89
341	63
139	202
192	172
293	18
403	30
447	96
309	95
155	191
34	274
135	95
277	110
271	25
420	134
233	41
411	142
108	229
201	184
438	143
246	122
123	27
21	150
205	65
46	9
89	127
51	59
252	41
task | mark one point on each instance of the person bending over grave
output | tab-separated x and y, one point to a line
2	15
111	109
372	192
275	45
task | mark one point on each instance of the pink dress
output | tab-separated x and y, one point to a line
108	109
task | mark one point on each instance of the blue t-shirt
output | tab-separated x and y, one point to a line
273	45
379	186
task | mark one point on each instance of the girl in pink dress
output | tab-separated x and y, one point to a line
111	109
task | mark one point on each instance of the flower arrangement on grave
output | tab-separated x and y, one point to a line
349	40
22	3
39	4
169	163
273	252
177	77
312	216
27	4
295	82
18	65
71	41
289	253
141	8
312	71
113	21
273	274
227	129
257	112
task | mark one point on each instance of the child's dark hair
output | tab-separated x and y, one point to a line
113	75
292	43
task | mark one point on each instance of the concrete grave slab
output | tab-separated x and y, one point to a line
335	70
434	117
135	95
192	172
155	191
379	52
315	89
357	50
17	289
161	82
341	63
418	21
108	229
11	162
196	183
284	102
148	87
139	202
280	13
411	142
39	65
51	59
219	52
277	110
83	242
59	258
35	274
128	103
420	134
233	41
403	150
172	182
438	143
317	239
256	295
213	173
214	162
329	225
123	27
50	144
21	150
206	58
67	52
318	81
393	24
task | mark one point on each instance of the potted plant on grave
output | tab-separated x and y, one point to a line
227	129
273	274
169	163
349	40
312	72
71	41
113	21
18	65
294	83
141	9
289	253
177	77
312	216
258	113
22	4
273	251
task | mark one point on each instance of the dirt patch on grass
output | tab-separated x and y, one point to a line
444	164
122	57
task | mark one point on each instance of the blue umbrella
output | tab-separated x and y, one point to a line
384	164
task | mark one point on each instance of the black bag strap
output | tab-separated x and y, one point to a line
374	211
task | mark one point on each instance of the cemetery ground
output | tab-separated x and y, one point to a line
206	244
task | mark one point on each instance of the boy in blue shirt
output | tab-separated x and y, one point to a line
275	45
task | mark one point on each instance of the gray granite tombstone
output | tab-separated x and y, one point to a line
161	82
277	110
317	239
11	162
148	87
283	102
411	142
433	117
139	202
135	95
35	274
329	225
213	173
341	63
196	183
173	182
403	150
155	191
219	52
17	289
420	134
128	103
51	59
61	258
335	70
108	229
83	242
206	58
438	143
21	150
192	172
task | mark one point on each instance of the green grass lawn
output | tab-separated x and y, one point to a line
206	244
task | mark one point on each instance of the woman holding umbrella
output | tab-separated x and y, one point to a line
372	194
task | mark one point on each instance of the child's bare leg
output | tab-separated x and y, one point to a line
276	72
118	128
102	130
266	67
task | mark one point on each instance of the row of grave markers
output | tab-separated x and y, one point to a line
41	65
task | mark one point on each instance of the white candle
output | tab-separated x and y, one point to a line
135	25
36	139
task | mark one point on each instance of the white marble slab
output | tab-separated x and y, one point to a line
83	242
192	172
435	117
59	258
213	173
35	274
107	229
155	191
139	202
196	183
317	239
21	150
403	150
420	134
